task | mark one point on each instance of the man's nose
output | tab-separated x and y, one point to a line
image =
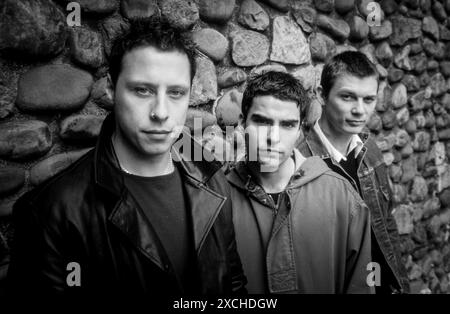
273	134
358	107
159	111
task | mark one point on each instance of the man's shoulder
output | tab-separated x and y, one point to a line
370	142
332	178
333	190
311	144
302	144
334	185
64	187
205	171
238	175
373	153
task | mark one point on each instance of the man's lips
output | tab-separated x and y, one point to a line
356	122
157	131
269	151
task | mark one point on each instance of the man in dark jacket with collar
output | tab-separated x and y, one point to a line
134	216
300	227
349	86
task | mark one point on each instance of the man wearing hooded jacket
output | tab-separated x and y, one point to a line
300	227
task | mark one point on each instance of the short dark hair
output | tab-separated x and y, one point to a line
280	85
154	32
348	62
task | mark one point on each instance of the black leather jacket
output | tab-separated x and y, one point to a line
86	215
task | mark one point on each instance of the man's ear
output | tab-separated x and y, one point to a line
241	122
110	87
319	95
299	136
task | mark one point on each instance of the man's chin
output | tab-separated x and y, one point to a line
268	166
354	130
157	149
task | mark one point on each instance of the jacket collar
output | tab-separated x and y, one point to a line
355	143
317	148
198	171
307	169
204	204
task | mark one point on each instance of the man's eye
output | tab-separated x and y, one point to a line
347	97
263	122
289	125
142	91
177	93
369	100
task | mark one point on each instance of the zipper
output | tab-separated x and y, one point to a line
275	208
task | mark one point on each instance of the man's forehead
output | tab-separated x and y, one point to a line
368	84
146	53
269	106
142	63
279	116
272	102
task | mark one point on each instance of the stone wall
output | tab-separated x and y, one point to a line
53	97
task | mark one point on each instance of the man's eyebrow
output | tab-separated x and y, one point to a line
347	91
351	92
290	121
138	82
260	117
145	83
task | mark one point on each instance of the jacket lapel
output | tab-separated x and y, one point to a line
135	226
205	205
313	142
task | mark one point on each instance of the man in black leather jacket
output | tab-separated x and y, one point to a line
133	216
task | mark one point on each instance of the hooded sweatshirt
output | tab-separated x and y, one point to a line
316	241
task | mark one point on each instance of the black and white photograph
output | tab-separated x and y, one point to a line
224	155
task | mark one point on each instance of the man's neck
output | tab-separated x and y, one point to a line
274	182
132	162
340	141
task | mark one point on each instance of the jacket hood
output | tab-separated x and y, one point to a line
307	170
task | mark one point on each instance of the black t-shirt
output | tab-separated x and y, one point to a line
163	202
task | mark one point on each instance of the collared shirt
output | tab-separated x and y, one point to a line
355	143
